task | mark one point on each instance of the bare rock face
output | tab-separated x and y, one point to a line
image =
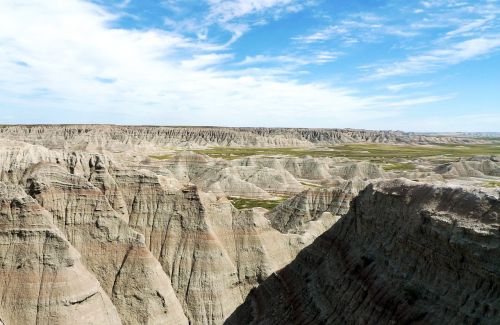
213	253
405	253
123	138
223	178
310	205
305	168
359	170
472	167
42	280
317	168
116	254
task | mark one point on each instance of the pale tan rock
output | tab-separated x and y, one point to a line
116	254
293	214
42	280
472	167
125	138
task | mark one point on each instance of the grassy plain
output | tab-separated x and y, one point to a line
372	152
241	203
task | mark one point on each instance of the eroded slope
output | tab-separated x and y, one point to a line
405	253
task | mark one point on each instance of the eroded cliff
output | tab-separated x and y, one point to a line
404	253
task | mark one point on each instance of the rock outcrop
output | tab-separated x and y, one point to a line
42	280
213	253
89	226
116	254
471	167
126	138
226	179
311	205
405	253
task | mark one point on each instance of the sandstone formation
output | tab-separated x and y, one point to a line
42	280
116	254
472	167
95	231
405	253
123	138
213	253
225	178
311	205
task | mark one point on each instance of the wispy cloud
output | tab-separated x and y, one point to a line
438	58
407	85
74	61
320	57
227	10
364	27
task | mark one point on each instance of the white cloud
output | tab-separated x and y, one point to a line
69	61
402	86
227	10
438	58
70	65
200	61
363	27
322	35
419	101
320	57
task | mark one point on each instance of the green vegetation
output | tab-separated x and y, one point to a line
399	166
492	184
381	152
373	152
161	157
241	203
230	153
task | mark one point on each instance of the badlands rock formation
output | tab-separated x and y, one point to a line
95	231
313	205
42	279
471	167
159	253
225	178
405	253
123	138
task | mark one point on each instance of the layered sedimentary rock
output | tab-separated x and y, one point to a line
123	138
405	253
311	205
213	253
316	168
225	178
305	168
42	280
111	250
471	167
158	242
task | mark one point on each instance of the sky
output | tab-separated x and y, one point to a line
395	65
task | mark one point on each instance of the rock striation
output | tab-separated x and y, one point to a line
312	205
42	279
405	253
114	252
478	166
123	138
93	232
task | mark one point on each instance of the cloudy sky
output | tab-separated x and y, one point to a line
407	65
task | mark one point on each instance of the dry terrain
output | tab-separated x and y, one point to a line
103	224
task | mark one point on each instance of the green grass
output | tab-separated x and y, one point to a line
399	166
161	157
241	203
492	184
373	152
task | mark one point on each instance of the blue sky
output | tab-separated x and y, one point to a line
407	65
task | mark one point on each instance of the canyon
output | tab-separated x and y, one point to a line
104	224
